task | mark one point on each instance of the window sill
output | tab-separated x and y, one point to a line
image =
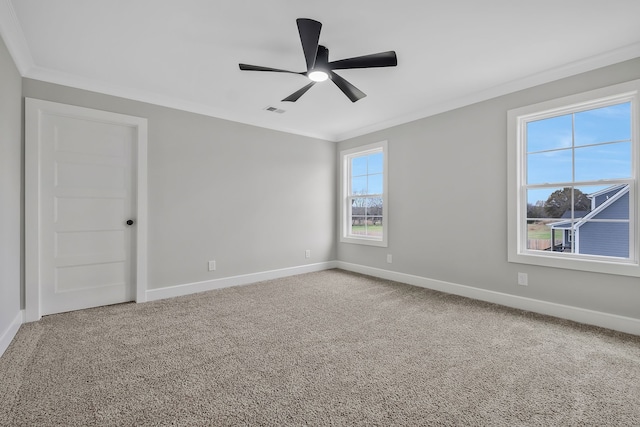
364	241
621	268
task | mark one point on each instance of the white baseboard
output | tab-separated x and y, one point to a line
225	282
7	335
611	321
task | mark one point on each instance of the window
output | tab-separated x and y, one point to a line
573	166
364	195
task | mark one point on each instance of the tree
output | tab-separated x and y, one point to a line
559	202
535	210
358	210
366	209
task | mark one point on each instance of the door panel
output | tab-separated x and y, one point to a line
88	276
88	243
107	139
89	175
86	199
83	213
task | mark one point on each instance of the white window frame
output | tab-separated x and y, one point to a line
345	184
516	167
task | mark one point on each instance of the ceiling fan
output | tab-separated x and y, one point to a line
320	69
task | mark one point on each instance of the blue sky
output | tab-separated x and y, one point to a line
366	172
585	146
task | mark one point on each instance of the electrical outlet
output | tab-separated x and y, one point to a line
307	253
523	279
389	258
212	265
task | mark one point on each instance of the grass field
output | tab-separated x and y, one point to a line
538	231
371	230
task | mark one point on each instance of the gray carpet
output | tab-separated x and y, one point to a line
327	348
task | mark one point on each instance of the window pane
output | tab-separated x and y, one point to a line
606	124
540	235
549	134
587	220
375	163
358	225
374	184
374	206
358	207
374	228
555	235
609	202
556	203
374	216
549	167
581	203
359	185
359	166
539	196
608	161
366	216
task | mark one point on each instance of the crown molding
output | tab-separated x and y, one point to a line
13	37
105	88
625	53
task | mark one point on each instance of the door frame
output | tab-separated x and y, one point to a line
34	109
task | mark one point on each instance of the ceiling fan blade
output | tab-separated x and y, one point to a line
247	67
382	59
352	92
309	36
297	94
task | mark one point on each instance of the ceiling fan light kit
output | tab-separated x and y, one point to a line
318	76
320	69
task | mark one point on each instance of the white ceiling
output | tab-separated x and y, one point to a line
185	53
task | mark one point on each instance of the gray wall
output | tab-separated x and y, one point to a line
250	198
448	203
10	188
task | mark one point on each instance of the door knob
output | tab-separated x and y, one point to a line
129	222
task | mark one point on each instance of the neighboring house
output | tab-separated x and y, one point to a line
591	236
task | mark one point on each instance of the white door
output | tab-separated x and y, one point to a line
86	207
